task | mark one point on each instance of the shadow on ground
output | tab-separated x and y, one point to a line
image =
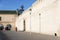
3	36
13	35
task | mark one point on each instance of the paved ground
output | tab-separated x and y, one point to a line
11	35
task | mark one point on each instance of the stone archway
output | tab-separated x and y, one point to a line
8	27
1	26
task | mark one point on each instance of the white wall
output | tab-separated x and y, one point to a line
49	20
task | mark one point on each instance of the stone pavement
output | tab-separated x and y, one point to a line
12	35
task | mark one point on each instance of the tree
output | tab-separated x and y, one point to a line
20	11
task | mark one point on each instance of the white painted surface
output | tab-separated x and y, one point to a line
47	23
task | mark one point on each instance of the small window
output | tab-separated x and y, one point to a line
0	18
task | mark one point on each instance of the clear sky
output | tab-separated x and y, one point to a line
14	4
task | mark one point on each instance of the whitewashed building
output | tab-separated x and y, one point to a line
42	17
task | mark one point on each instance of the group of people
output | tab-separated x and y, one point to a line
8	27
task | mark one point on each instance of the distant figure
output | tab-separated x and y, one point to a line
55	34
16	28
7	28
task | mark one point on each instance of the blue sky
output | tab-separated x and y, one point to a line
14	4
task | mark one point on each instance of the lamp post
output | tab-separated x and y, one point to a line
30	20
39	22
17	11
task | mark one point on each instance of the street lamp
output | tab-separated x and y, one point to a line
30	20
39	22
17	11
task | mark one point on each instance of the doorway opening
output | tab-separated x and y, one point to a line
24	23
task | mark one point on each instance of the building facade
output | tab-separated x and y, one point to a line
42	17
8	17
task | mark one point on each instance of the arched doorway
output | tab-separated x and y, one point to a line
24	25
1	26
8	27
